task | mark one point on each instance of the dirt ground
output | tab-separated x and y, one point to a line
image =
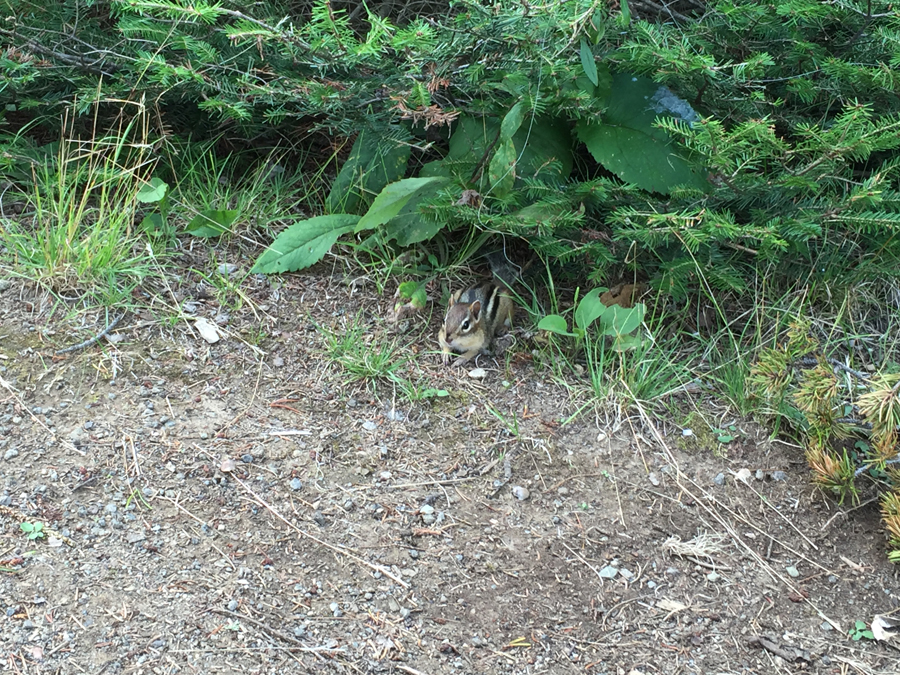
243	507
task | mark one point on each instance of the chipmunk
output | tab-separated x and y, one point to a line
473	319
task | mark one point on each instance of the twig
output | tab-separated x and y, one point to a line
271	631
400	666
96	338
778	650
583	561
813	361
334	547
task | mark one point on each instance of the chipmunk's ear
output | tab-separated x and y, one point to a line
454	298
476	309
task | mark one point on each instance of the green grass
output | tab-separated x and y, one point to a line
361	354
75	234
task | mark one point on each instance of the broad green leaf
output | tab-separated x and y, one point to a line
411	225
545	147
588	62
621	321
625	141
502	169
624	343
469	140
391	200
540	213
589	308
554	323
211	223
152	192
374	162
407	288
304	243
512	121
153	224
414	292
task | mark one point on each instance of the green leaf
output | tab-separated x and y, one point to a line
625	141
589	308
391	200
554	323
407	288
624	343
546	150
543	148
304	243
419	298
152	192
625	17
211	223
588	62
153	224
374	162
512	121
414	292
412	225
469	141
621	321
502	170
725	438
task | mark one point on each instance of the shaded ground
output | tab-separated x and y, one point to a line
355	531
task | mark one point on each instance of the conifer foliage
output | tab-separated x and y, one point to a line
741	133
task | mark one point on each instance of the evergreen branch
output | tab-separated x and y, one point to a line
73	60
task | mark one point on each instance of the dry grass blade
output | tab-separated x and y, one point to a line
714	509
704	545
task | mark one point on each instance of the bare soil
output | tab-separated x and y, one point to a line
246	507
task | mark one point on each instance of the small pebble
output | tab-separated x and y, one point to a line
478	373
608	572
232	605
247	458
521	493
296	484
792	571
713	576
719	479
369	425
760	474
654	479
779	475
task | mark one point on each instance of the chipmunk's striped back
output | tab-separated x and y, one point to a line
473	319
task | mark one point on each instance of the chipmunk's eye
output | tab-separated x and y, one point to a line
465	325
